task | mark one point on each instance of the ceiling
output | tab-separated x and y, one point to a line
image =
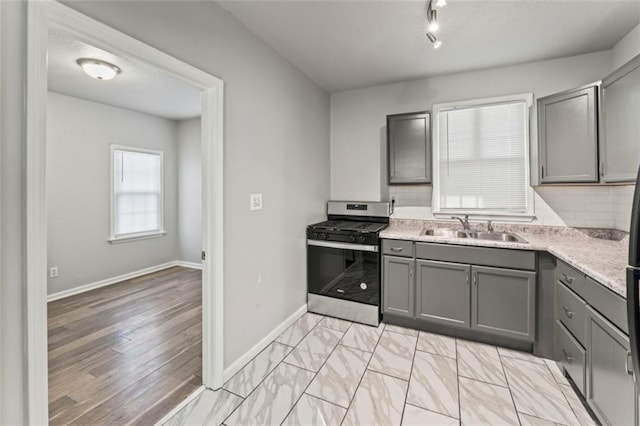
139	87
350	44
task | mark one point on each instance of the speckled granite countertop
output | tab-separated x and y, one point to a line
603	260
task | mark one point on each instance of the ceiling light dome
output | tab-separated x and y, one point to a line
99	69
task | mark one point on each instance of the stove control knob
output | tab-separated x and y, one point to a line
322	236
361	239
352	238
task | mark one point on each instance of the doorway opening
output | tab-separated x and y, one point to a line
51	19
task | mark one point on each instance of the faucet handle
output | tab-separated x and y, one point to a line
489	226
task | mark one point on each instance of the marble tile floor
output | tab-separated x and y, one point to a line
326	371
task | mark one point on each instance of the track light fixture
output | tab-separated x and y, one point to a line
432	22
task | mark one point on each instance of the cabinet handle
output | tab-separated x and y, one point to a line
601	168
411	269
567	356
466	278
396	249
475	279
568	312
542	172
627	365
567	278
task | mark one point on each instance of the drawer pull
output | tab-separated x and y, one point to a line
396	249
567	278
568	312
628	364
567	356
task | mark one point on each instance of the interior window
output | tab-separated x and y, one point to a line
137	198
482	157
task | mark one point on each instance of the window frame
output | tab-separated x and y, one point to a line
113	238
529	213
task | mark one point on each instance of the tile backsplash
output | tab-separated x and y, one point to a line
575	206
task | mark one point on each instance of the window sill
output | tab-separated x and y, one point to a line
498	217
136	237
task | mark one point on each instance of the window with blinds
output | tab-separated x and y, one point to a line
137	198
482	157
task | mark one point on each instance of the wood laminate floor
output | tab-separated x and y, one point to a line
127	353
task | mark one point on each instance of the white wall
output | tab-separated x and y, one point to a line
79	135
189	191
358	117
627	48
276	143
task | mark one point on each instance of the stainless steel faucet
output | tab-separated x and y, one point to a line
465	222
489	226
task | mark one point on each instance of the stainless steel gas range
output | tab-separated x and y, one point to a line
343	261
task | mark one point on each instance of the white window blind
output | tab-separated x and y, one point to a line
137	192
483	158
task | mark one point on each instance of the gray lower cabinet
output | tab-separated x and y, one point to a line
398	286
568	136
504	302
442	292
610	388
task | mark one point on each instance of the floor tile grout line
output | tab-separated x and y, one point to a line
276	366
437	354
413	361
253	359
506	378
304	392
541	418
458	383
555	382
435	412
363	374
483	381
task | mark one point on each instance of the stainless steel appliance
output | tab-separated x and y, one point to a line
343	261
633	281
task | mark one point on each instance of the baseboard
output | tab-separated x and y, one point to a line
114	280
251	353
180	406
192	265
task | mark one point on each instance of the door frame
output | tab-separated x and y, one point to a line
43	16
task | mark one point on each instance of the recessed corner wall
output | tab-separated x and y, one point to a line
189	190
79	134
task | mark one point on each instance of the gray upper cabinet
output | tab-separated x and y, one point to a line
619	124
504	302
610	388
568	136
398	286
442	292
409	148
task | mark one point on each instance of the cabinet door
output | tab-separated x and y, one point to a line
442	291
503	301
568	137
610	389
619	124
409	148
398	286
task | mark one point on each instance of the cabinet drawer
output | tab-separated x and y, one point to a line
571	277
398	248
571	355
570	310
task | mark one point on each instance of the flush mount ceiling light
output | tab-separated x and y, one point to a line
98	69
432	22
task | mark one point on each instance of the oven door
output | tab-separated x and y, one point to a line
344	271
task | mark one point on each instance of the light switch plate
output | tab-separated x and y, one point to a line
255	201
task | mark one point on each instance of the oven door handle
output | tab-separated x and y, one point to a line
345	246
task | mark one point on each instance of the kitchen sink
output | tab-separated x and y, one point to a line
490	236
497	236
444	232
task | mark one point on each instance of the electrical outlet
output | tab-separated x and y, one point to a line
53	272
255	201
